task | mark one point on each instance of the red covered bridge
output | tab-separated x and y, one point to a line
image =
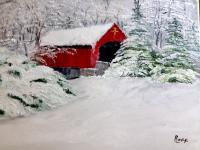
80	47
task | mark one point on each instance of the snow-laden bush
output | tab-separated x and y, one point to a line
26	87
172	75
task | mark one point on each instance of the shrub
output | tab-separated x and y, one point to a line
60	82
36	105
0	79
14	73
69	92
41	80
14	96
173	80
25	62
2	112
37	98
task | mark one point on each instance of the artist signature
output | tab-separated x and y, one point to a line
177	139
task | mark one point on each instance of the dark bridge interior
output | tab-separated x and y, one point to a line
108	50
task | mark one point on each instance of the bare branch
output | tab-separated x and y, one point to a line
6	2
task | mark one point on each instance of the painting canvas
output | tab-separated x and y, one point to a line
99	75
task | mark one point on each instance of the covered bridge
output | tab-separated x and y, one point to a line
80	47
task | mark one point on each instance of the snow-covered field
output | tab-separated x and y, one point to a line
112	114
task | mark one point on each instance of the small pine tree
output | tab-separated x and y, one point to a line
193	38
193	45
174	64
134	58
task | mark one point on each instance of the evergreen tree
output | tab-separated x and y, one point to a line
193	45
193	38
174	62
134	59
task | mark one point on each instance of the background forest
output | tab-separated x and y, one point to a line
167	31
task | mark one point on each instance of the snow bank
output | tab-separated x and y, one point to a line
26	88
113	114
77	36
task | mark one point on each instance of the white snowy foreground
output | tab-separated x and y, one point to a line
112	114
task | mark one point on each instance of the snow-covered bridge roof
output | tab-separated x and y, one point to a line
78	36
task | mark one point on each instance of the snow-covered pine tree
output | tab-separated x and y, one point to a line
193	38
193	45
175	64
134	59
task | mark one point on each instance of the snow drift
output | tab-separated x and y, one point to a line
26	88
113	114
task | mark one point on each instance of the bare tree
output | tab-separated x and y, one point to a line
21	25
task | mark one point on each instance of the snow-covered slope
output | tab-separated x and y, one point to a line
26	88
113	114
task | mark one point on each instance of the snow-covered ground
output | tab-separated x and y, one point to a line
113	114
